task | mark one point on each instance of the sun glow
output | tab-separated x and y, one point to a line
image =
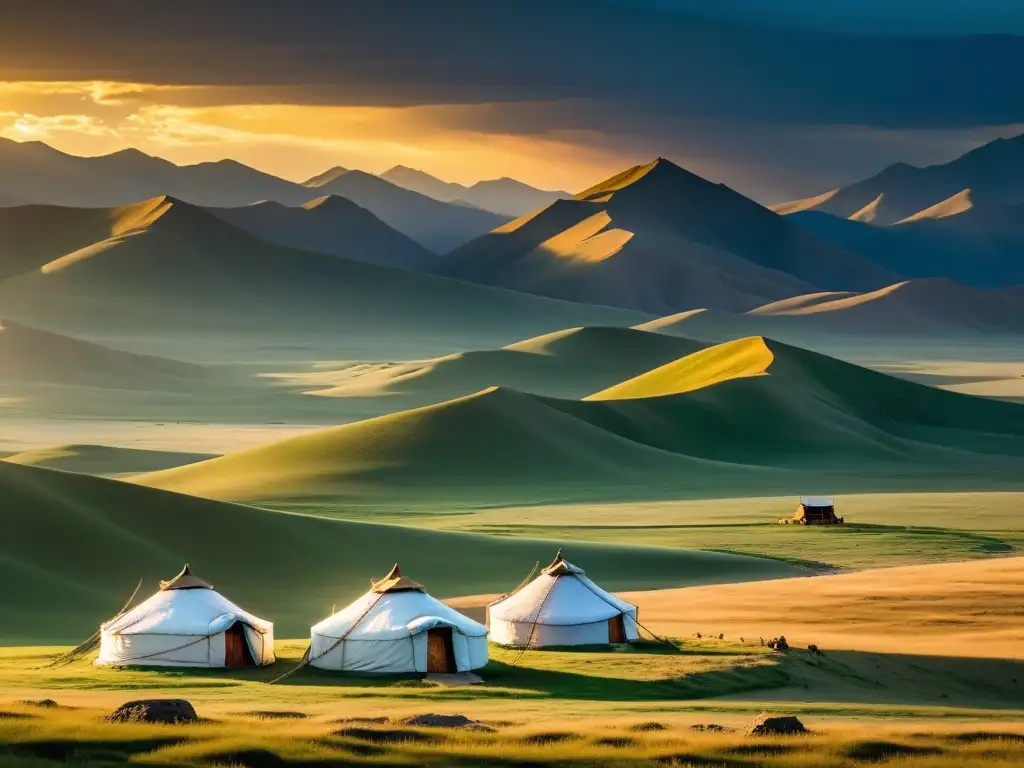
188	124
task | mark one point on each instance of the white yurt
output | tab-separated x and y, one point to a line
186	624
398	628
561	607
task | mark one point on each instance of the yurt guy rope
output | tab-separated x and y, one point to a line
89	645
536	620
307	659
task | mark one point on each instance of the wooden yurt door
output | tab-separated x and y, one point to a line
440	652
616	630
236	647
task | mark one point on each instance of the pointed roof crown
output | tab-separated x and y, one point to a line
396	582
185	580
562	567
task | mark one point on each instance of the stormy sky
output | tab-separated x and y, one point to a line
776	99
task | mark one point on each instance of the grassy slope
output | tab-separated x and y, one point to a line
486	447
812	418
104	459
75	545
568	363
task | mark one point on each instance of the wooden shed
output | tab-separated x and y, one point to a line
815	510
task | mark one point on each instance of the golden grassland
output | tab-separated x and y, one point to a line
956	610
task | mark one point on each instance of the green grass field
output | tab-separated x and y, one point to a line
635	706
881	529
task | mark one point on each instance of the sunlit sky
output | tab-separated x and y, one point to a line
291	141
558	95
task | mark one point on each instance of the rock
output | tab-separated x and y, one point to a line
430	720
775	725
173	711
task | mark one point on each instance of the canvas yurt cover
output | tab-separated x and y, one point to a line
187	624
561	607
398	628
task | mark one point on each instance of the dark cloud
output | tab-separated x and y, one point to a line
774	112
403	52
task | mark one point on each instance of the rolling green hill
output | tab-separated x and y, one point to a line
30	356
751	416
74	546
104	459
569	363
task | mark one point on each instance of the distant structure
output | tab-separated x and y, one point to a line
815	510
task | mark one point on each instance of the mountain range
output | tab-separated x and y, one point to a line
962	238
901	192
932	308
165	265
660	239
33	172
333	225
506	196
437	225
962	220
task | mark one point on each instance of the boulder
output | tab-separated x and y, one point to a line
172	711
775	725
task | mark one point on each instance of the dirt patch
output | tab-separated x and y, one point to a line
166	711
976	737
648	727
387	735
555	737
776	725
876	751
273	714
415	684
619	742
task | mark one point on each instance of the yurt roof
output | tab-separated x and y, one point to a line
561	596
395	582
817	501
181	611
560	567
395	607
185	580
